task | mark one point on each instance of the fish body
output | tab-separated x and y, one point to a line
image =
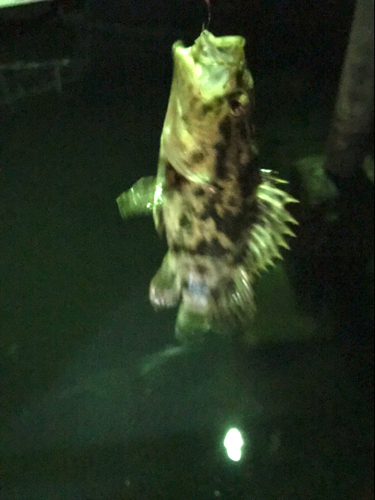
223	217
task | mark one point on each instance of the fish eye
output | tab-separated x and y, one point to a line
235	106
238	102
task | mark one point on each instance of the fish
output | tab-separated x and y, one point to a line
225	218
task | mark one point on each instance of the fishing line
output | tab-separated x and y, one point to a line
209	15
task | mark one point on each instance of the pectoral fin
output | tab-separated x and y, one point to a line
165	289
138	200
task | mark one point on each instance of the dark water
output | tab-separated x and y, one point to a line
98	402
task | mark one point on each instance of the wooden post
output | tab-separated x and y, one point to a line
348	141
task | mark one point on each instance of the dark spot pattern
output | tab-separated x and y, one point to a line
213	248
185	222
225	129
221	161
222	147
215	294
249	178
197	157
202	269
194	100
185	284
231	225
177	248
232	202
240	255
239	77
242	130
207	108
199	192
204	215
174	181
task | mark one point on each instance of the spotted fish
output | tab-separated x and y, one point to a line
224	217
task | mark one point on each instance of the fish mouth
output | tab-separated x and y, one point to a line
208	49
210	64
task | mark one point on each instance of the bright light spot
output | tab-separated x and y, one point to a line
158	195
179	107
233	443
198	70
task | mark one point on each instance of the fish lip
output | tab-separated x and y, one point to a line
206	37
179	44
208	50
223	50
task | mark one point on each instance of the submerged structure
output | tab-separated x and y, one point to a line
224	217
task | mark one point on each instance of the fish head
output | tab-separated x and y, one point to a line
211	86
